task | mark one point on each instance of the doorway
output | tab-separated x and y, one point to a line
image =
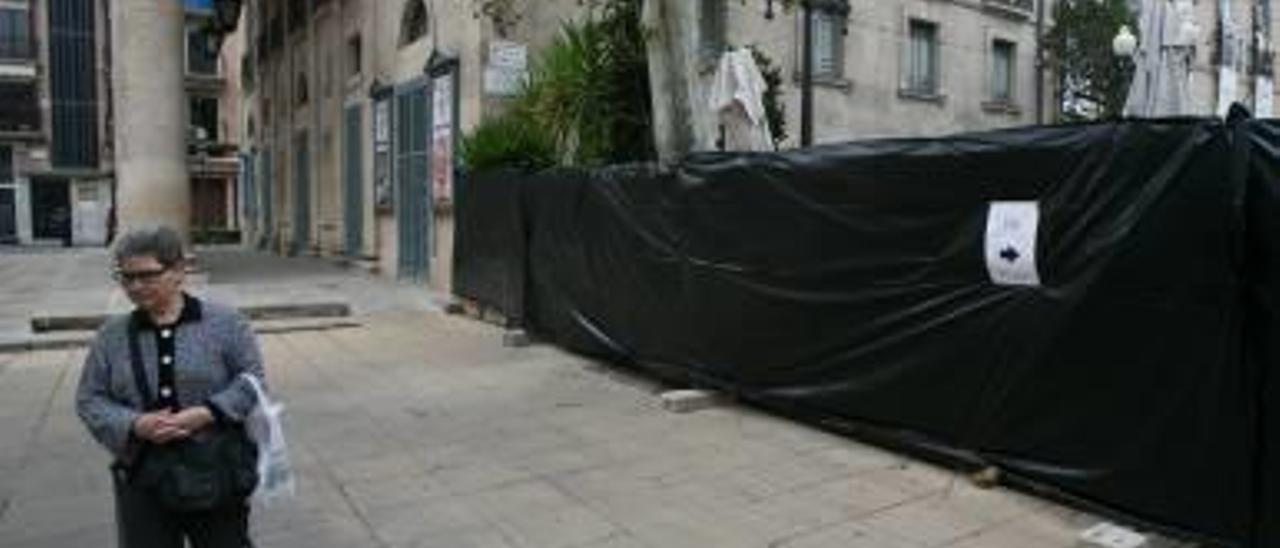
51	209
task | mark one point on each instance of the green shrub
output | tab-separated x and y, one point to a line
509	140
587	101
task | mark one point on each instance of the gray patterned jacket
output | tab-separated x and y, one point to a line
214	344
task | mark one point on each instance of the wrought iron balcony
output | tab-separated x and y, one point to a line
1021	8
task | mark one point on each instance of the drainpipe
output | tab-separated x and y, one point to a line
806	78
1040	62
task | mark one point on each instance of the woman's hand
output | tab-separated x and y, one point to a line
159	427
165	426
193	419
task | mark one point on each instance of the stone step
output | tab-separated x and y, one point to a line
80	339
90	322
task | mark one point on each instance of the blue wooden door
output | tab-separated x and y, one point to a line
353	173
412	194
301	194
266	221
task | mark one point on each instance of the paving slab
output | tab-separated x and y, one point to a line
419	429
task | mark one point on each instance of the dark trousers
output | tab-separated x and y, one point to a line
142	523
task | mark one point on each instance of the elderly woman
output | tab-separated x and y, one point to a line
192	354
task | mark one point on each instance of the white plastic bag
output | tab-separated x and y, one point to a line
275	476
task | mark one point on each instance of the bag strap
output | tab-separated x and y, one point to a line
139	372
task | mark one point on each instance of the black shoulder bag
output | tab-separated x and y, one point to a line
198	473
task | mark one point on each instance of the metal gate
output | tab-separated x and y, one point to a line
248	194
266	227
301	193
8	216
353	169
8	200
412	191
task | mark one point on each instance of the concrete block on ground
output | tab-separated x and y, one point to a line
1110	535
297	310
77	322
60	341
304	324
688	401
516	338
90	322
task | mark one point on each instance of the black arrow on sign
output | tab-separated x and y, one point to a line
1010	254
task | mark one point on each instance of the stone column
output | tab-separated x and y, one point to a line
149	101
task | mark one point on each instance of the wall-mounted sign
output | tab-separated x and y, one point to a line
1010	247
508	68
442	102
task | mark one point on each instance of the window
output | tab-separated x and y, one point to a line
202	52
1003	55
6	164
712	39
297	15
413	24
355	54
204	118
21	107
329	75
247	74
922	58
300	89
828	45
15	33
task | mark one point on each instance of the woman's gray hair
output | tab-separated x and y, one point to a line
160	242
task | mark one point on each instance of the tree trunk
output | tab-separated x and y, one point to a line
681	121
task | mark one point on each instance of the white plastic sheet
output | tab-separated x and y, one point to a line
275	474
737	96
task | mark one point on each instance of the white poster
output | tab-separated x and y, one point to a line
508	68
1264	96
442	137
1012	228
382	121
1226	89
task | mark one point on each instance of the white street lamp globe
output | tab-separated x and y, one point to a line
1125	43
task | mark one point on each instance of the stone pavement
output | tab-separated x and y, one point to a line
38	281
418	429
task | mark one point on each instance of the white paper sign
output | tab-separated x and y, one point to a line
1226	89
442	138
504	82
1264	96
508	55
1011	243
382	121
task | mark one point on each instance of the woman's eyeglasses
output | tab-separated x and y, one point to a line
126	277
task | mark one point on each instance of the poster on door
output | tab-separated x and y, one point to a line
442	138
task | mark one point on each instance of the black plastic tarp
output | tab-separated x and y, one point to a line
849	284
489	244
1263	325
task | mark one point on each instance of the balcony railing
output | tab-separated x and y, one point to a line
1015	7
16	49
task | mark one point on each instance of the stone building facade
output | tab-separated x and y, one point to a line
355	101
57	122
55	150
1234	56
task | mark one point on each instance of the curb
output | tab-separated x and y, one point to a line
82	340
90	322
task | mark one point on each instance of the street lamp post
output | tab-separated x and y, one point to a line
808	7
806	78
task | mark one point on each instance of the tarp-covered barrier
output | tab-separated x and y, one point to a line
1263	327
489	244
1066	303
